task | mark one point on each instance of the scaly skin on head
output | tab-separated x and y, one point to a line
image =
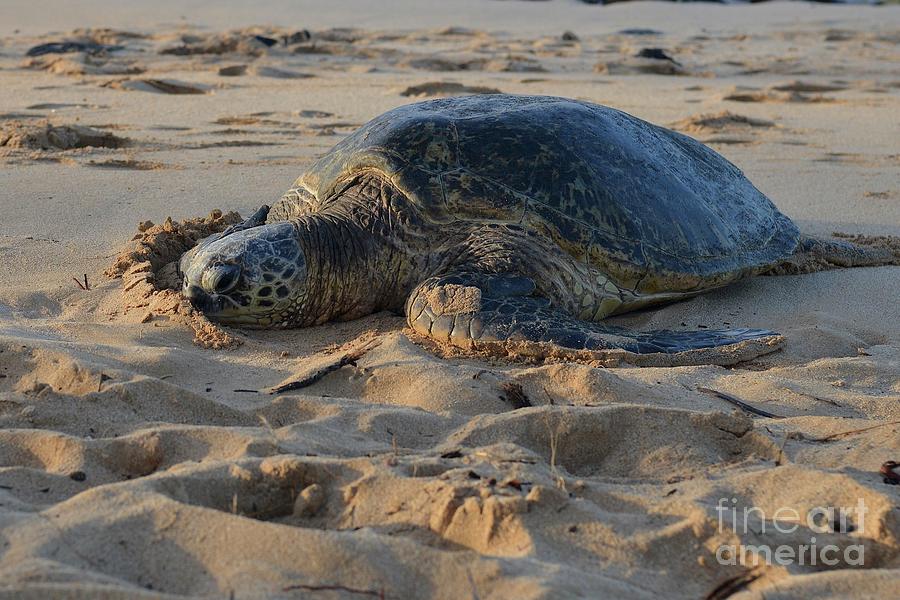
343	262
246	276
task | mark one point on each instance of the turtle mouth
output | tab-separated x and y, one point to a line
216	306
222	308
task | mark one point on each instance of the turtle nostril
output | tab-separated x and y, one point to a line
222	278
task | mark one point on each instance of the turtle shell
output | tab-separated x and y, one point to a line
654	209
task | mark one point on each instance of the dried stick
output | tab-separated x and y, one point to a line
842	434
733	585
85	286
334	588
739	403
347	359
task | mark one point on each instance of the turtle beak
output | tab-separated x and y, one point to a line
202	301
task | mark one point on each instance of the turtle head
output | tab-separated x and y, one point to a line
254	277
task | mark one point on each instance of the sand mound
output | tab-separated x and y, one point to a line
149	282
237	42
45	136
719	122
84	64
639	65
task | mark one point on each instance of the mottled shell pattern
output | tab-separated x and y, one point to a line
654	209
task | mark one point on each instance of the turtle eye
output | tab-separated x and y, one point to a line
221	278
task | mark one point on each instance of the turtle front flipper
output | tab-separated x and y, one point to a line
255	220
504	314
822	253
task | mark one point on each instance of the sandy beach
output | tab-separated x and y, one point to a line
137	463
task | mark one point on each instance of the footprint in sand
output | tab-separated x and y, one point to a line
510	64
160	86
129	163
807	87
783	93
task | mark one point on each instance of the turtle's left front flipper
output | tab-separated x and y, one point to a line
504	314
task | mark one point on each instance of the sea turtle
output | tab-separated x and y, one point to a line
508	222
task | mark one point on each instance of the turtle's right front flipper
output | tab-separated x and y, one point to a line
255	220
503	314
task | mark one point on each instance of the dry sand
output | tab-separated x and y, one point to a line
134	463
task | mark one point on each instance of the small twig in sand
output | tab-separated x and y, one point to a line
549	397
733	585
334	588
553	433
347	359
842	434
554	445
739	403
85	286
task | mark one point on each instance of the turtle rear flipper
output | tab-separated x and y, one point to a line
821	254
502	314
843	253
